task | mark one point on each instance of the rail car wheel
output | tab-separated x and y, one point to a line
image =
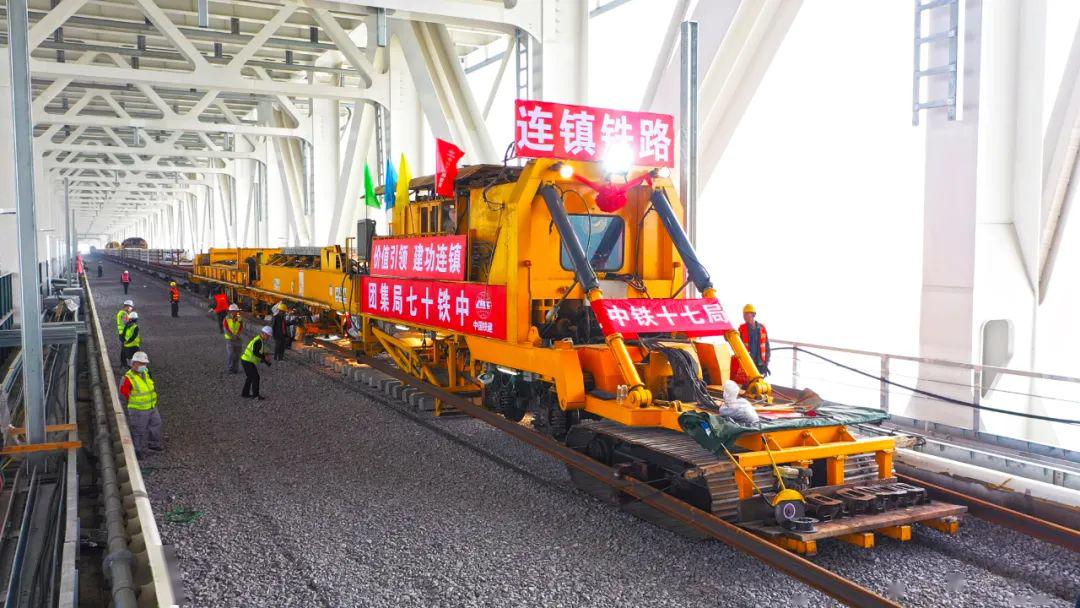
598	448
502	396
548	417
512	406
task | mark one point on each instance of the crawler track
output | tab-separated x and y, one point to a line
707	524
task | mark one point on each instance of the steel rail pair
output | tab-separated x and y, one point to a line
799	568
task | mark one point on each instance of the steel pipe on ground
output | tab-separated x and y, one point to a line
118	559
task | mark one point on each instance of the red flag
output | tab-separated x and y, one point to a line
446	160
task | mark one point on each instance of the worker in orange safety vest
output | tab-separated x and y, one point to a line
220	307
174	298
756	339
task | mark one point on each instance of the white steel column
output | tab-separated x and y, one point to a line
350	179
949	217
290	170
688	127
562	64
69	231
33	380
326	148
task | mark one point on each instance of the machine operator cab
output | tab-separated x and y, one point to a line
560	235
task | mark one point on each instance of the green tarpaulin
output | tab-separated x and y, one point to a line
714	432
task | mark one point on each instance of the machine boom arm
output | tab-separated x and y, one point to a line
637	394
703	282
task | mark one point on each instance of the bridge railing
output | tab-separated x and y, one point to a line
1021	404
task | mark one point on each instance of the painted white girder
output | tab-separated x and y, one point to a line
138	181
481	14
208	77
77	188
444	93
134	167
53	19
194	92
1061	149
356	57
191	116
667	58
169	124
110	198
735	73
350	179
738	40
150	149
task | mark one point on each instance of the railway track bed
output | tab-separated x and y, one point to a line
332	492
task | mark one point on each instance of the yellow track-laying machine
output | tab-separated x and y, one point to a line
557	293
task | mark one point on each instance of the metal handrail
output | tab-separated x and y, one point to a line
886	358
942	362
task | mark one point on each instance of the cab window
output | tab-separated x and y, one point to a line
601	237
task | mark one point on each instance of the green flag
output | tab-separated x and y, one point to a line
369	189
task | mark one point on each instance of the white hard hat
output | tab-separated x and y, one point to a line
267	330
140	357
234	307
133	315
129	303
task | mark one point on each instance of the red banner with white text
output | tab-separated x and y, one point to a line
631	317
421	257
471	308
556	130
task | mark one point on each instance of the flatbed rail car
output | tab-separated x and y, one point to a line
522	292
170	264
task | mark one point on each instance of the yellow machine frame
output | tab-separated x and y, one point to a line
511	219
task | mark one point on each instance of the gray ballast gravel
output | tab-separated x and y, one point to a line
322	496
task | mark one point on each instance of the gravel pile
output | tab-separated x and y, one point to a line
320	496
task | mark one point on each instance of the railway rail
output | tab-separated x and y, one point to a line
775	556
798	567
443	297
1012	519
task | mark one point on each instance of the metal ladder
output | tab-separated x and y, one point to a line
522	64
382	139
951	69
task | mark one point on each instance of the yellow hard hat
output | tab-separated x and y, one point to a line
172	283
749	308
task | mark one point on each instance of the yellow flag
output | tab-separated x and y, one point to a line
404	177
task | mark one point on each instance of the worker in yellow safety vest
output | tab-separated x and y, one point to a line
253	355
144	420
231	328
121	321
132	338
